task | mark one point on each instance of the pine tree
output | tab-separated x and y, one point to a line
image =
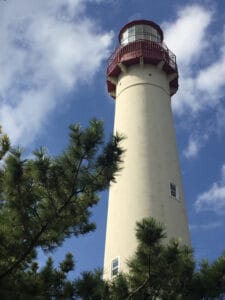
46	199
209	282
159	270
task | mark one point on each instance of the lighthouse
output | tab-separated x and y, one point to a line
142	76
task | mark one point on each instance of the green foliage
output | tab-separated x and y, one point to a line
156	271
68	264
4	143
150	233
118	288
209	281
159	270
90	286
47	283
46	199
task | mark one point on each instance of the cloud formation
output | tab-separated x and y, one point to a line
201	62
192	148
195	143
211	225
214	198
189	38
186	36
47	47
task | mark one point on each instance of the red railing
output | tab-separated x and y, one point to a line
145	48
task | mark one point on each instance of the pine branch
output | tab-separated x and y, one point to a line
138	288
33	244
41	201
24	255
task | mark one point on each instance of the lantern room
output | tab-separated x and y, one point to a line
141	42
140	30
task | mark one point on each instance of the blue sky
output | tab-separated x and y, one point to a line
53	56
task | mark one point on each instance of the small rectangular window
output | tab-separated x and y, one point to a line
173	190
115	267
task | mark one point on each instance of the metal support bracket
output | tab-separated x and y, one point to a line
122	67
141	61
172	76
161	64
112	79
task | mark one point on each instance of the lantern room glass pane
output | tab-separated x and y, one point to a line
131	34
124	40
131	30
147	29
140	32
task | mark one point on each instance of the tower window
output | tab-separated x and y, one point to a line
115	267
173	190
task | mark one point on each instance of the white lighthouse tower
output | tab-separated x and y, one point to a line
142	76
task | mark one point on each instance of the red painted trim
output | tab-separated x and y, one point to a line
151	52
145	22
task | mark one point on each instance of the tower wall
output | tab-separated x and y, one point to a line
143	115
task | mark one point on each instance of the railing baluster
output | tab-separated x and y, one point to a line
142	45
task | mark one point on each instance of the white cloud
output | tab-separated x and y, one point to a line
201	75
187	35
211	79
214	198
223	174
219	127
47	47
211	225
192	148
195	143
201	65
